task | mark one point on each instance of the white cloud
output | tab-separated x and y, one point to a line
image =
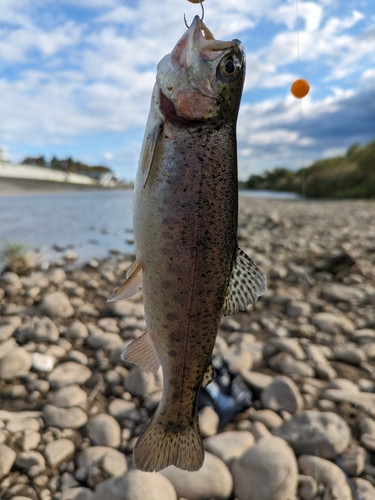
96	75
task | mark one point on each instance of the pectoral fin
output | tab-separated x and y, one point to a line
247	283
130	286
149	150
208	375
142	352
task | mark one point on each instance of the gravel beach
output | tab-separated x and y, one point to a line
71	410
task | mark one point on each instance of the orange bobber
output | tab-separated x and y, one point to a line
300	88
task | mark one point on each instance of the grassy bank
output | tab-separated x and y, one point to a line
348	176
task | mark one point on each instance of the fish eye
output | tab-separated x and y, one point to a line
229	66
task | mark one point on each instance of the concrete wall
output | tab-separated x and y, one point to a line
43	174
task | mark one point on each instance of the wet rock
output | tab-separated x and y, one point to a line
136	485
7	458
267	470
69	373
58	451
56	304
332	323
314	433
334	480
15	363
213	480
103	430
229	445
282	394
71	395
64	418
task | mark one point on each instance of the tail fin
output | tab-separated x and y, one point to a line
160	446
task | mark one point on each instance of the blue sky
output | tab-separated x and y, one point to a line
76	76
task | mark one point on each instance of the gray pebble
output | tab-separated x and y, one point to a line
14	364
282	394
7	458
64	418
56	304
268	471
315	433
58	451
69	373
212	480
71	395
103	430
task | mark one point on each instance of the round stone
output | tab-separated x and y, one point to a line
315	433
56	304
282	394
267	470
212	480
136	485
104	430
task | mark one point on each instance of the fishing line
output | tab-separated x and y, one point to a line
300	89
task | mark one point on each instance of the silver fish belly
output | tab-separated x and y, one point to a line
188	262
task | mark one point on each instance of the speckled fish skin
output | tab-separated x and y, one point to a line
185	232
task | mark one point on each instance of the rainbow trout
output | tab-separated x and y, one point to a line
188	262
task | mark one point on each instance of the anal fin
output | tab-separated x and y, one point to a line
142	352
247	283
130	286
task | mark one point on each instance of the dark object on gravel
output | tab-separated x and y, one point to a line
227	393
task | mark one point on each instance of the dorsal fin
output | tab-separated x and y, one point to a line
247	283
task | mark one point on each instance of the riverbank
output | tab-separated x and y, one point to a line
305	350
31	186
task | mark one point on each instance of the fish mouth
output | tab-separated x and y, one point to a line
187	76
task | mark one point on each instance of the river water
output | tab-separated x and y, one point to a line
90	223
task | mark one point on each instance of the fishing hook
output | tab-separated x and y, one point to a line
186	24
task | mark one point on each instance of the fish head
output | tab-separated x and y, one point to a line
202	78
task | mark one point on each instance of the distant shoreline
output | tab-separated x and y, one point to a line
9	186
